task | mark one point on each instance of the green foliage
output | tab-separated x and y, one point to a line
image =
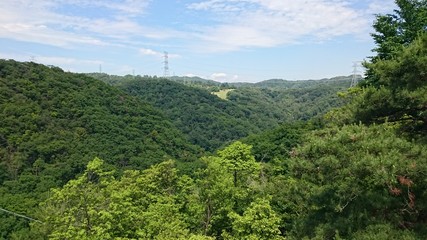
327	179
212	123
393	31
278	101
238	160
402	95
207	120
140	205
395	87
383	232
53	123
79	209
360	176
278	142
303	84
259	221
229	184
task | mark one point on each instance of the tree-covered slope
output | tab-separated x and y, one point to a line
277	101
53	123
209	121
343	81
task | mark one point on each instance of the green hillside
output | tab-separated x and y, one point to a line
53	123
342	82
211	122
277	101
207	120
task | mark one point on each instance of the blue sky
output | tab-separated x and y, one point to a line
223	40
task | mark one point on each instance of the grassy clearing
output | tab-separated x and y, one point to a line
223	93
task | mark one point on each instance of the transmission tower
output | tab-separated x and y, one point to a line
166	65
356	74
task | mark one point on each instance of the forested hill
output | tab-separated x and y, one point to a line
54	122
342	81
45	104
209	121
278	101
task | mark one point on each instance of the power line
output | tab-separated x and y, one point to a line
20	215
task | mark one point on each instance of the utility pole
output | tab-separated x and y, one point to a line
356	74
166	65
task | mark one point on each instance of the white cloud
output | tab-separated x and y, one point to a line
217	76
42	22
221	5
45	35
127	6
270	23
132	7
234	24
150	52
223	77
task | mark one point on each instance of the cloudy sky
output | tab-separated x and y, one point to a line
224	40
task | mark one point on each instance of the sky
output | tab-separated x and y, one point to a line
222	40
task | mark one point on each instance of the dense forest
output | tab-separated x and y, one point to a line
53	123
211	122
104	157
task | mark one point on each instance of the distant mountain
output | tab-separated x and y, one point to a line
277	100
343	81
195	80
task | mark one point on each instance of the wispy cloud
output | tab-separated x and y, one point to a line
219	25
43	22
236	24
132	7
269	23
45	35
